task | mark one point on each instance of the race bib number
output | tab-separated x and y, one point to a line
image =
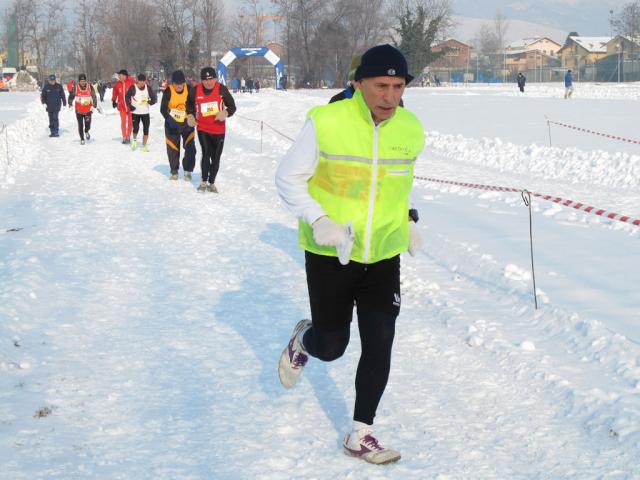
178	115
209	109
83	100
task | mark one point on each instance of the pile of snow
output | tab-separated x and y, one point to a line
23	82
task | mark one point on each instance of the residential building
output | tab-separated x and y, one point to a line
457	55
579	52
627	47
546	46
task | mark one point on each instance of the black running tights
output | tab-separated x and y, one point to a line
211	146
84	124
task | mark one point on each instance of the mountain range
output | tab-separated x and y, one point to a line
587	17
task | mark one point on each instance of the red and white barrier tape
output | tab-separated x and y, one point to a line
561	201
600	134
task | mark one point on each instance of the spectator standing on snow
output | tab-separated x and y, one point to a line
243	85
208	106
118	101
84	99
138	98
353	254
521	81
173	108
256	85
102	88
568	84
53	97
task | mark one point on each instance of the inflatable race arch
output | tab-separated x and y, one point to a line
265	52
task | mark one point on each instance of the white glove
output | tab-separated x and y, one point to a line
191	120
222	115
328	233
415	240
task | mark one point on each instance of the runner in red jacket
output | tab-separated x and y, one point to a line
208	106
118	101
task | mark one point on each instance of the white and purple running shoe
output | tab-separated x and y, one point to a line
363	444
293	357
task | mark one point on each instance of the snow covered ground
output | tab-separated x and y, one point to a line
141	322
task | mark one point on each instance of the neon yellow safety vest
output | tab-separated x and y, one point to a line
364	175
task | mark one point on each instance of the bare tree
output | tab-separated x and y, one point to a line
210	13
490	43
132	25
500	27
303	20
23	13
627	22
360	25
88	32
176	17
39	28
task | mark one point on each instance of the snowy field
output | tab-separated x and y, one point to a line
141	322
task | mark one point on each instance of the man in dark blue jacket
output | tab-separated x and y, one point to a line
53	98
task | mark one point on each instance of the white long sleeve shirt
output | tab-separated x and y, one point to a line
295	170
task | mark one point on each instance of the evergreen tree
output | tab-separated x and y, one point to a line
417	33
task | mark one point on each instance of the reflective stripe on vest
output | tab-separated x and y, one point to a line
364	175
83	101
177	105
207	107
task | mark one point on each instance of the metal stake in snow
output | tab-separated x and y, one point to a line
526	198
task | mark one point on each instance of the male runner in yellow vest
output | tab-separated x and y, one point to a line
174	110
348	177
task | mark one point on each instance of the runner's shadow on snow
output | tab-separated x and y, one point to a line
165	170
262	315
283	238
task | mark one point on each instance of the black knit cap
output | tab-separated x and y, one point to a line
82	76
178	77
208	73
142	77
123	72
383	61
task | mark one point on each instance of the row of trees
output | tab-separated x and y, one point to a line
627	20
98	37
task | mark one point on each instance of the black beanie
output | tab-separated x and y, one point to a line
142	77
383	61
207	73
82	76
178	77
